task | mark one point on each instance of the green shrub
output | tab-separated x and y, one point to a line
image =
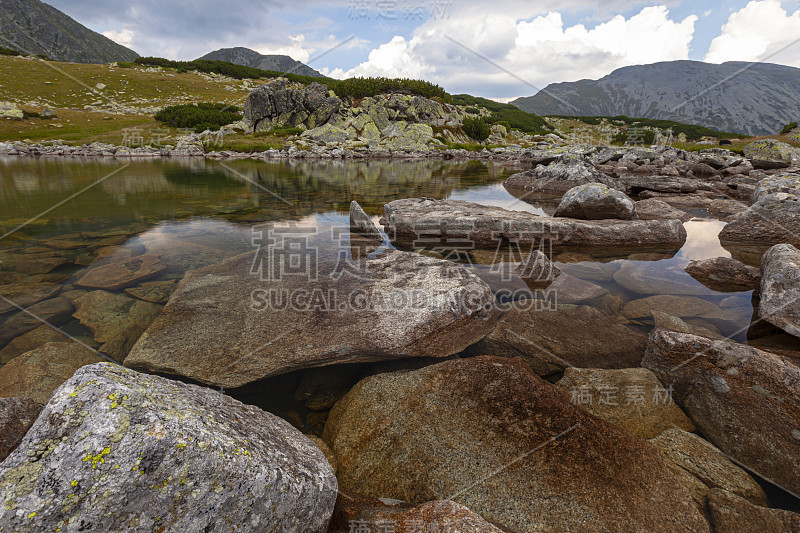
31	114
201	117
239	72
788	128
8	52
364	87
477	129
125	64
511	116
472	110
692	132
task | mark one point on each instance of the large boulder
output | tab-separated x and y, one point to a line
227	326
654	209
769	153
326	133
413	219
664	184
595	201
785	182
570	336
723	274
115	450
36	374
744	401
277	104
17	415
631	398
490	435
9	110
780	288
773	219
559	177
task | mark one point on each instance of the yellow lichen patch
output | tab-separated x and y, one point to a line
74	483
97	459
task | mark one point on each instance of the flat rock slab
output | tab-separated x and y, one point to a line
773	219
490	435
227	326
665	184
570	336
654	209
115	450
631	398
780	288
36	374
744	401
481	226
121	274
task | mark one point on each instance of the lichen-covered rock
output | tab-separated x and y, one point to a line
492	436
744	401
723	274
780	288
17	415
558	177
595	201
9	110
631	398
770	150
703	460
773	219
115	450
361	224
353	511
327	134
276	104
226	325
785	182
36	374
484	226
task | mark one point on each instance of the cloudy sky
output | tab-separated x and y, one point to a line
498	49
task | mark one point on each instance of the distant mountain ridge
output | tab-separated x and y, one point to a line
752	98
33	27
251	58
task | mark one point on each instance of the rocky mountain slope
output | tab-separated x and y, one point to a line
251	58
752	98
33	27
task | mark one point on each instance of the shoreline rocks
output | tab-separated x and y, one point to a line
780	288
595	201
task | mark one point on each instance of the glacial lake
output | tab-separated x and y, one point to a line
59	217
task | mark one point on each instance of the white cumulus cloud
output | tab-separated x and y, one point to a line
495	51
123	37
761	31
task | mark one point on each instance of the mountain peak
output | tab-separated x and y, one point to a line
250	58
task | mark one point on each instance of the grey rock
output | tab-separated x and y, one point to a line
559	177
486	226
780	288
769	153
773	219
744	401
115	450
785	182
595	201
9	110
17	415
654	209
538	270
226	325
723	274
665	184
361	224
276	105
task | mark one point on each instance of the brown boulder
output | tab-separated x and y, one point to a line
489	434
121	274
733	514
744	401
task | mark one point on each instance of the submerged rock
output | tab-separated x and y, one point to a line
780	288
595	201
744	401
558	177
120	274
38	373
537	270
723	274
490	435
631	398
115	450
226	326
55	312
483	226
